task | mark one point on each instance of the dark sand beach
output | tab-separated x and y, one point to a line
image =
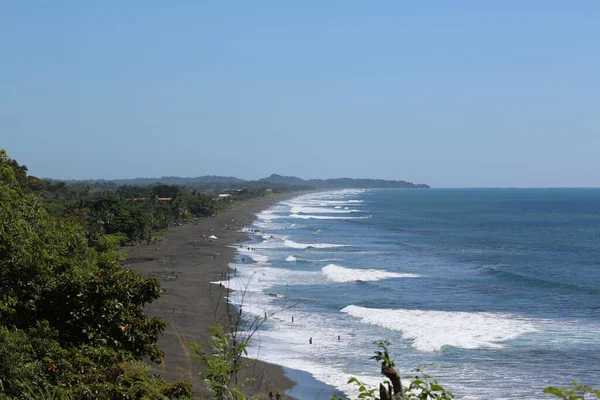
185	264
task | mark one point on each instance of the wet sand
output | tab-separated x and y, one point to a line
185	263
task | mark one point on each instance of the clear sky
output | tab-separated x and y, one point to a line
449	93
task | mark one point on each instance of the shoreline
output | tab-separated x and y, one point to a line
185	263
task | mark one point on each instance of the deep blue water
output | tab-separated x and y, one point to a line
496	292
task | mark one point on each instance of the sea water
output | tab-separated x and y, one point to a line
495	292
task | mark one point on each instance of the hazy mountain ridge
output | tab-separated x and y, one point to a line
168	180
273	180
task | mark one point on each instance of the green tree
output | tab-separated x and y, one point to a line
70	317
161	190
577	392
201	205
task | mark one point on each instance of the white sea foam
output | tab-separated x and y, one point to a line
257	257
250	282
271	225
268	224
283	242
346	275
339	197
250	278
337	202
291	258
302	216
271	213
288	346
295	245
431	330
301	209
286	343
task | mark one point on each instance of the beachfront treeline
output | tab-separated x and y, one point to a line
128	214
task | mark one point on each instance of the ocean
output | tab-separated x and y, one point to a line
495	292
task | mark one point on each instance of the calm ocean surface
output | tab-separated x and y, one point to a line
495	292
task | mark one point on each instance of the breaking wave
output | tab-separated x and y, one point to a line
299	216
345	275
432	330
295	245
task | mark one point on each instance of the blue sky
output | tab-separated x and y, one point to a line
450	93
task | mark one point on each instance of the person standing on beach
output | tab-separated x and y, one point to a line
292	319
310	341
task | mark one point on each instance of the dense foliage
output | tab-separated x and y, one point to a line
72	320
122	215
576	392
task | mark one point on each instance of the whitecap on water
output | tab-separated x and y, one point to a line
346	275
432	330
294	245
303	216
321	210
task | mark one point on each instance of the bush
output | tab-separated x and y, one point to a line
577	392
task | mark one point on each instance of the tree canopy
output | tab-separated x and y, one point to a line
71	318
